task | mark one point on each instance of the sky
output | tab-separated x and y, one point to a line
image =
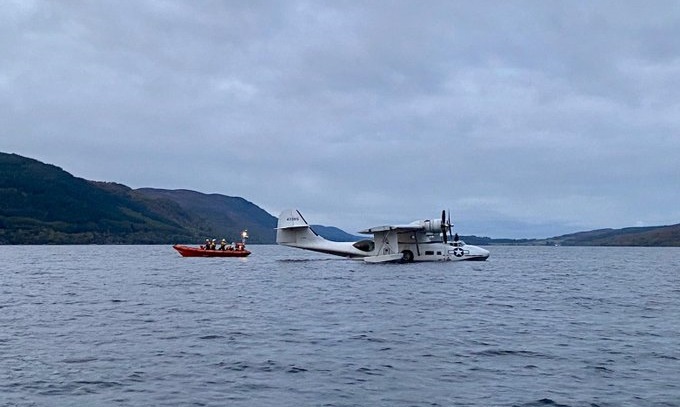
524	119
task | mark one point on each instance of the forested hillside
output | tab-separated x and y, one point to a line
226	215
43	204
635	236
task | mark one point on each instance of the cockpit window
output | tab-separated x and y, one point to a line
365	245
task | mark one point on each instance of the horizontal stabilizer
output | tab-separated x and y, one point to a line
293	227
293	230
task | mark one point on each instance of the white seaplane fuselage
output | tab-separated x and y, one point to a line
417	241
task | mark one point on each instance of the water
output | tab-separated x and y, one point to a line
141	326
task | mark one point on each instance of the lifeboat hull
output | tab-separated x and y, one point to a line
188	251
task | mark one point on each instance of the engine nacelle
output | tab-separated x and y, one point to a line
431	226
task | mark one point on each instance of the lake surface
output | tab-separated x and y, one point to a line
532	326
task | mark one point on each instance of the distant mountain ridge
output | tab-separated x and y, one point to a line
668	235
657	236
43	204
334	234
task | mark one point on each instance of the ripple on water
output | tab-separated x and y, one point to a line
110	325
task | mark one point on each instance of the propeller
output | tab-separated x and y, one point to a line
450	225
446	226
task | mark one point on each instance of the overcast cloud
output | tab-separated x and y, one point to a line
526	119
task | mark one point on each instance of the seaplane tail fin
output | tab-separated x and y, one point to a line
292	229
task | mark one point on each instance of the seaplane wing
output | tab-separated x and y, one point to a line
416	241
392	228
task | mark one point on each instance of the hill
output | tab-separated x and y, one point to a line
633	236
658	236
226	215
335	234
43	204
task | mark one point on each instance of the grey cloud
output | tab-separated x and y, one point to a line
526	119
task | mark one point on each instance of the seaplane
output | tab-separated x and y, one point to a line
422	240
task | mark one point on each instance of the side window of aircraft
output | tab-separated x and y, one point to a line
429	253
